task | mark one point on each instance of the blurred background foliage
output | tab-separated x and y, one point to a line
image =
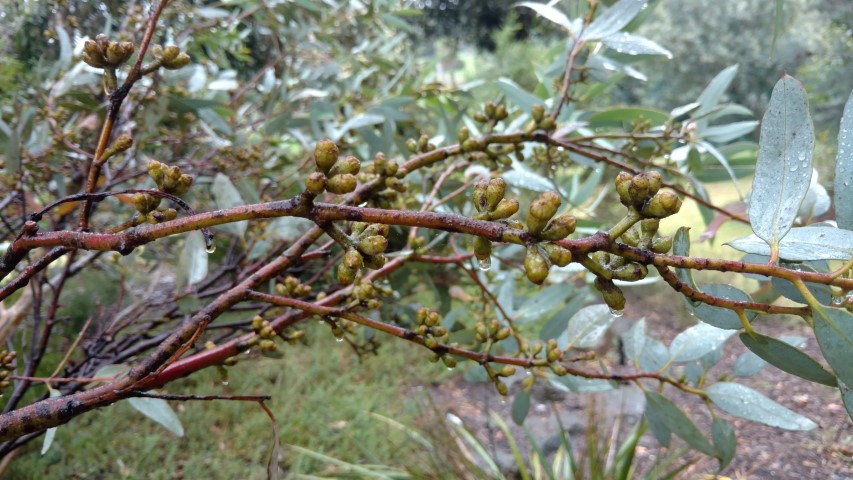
270	77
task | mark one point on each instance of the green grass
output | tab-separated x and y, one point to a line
321	399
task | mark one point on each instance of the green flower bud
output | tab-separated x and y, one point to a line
423	143
482	248
662	205
463	134
316	183
379	162
471	145
631	272
267	345
479	196
439	331
449	361
548	124
554	354
376	229
489	109
412	145
623	184
649	226
501	112
501	388
662	244
155	171
392	168
342	184
346	275
326	155
353	259
495	193
350	164
506	371
541	211
395	184
560	227
374	262
558	369
431	343
631	237
535	265
118	52
655	181
169	53
480	117
537	112
103	43
373	245
613	296
639	190
503	333
182	60
505	209
145	203
558	255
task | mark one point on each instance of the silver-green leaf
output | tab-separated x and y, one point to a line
803	243
833	328
158	410
844	169
697	341
746	403
784	166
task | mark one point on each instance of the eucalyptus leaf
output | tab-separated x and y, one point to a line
50	434
803	243
587	327
821	292
678	422
711	95
748	364
787	358
844	169
833	328
194	261
226	195
725	441
631	44
549	13
158	410
727	133
746	403
520	407
697	341
543	302
784	166
614	18
718	316
517	95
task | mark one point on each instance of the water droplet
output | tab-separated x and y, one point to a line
528	372
617	313
339	339
225	383
449	369
794	167
210	248
837	301
484	263
503	400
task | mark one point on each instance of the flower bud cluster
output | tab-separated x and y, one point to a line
7	366
369	242
540	121
338	176
104	53
169	180
291	287
642	191
646	237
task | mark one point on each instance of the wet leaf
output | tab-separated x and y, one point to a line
226	195
725	441
746	403
520	407
803	243
697	341
844	169
784	167
587	327
833	328
614	18
718	316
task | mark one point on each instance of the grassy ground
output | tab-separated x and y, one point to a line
321	397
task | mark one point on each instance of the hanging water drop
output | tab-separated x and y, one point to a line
484	263
617	313
210	248
837	301
339	339
449	369
224	383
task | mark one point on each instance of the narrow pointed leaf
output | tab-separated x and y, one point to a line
614	18
549	13
725	441
844	169
784	167
226	195
678	422
746	403
631	44
586	327
158	410
520	407
748	364
833	328
710	97
787	358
